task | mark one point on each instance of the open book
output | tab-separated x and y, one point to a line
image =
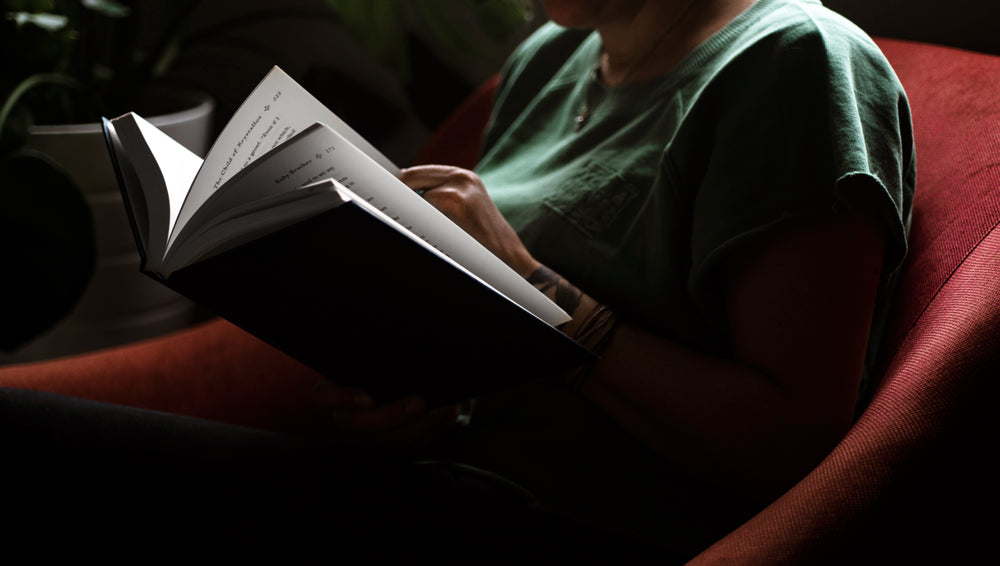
297	229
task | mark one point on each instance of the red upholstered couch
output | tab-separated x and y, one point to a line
906	481
910	482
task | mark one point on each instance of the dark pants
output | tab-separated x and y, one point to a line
81	478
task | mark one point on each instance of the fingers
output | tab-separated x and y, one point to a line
426	177
377	419
354	411
422	430
353	416
329	395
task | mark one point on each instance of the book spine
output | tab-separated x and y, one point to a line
117	164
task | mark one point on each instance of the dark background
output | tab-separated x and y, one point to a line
397	114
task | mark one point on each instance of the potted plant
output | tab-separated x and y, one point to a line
77	60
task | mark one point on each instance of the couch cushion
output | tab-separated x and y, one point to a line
900	485
956	120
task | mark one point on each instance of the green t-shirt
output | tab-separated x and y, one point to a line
668	179
664	183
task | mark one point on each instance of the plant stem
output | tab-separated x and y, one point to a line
29	83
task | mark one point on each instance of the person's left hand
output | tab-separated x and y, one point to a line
459	194
353	416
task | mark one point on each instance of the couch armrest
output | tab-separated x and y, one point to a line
213	371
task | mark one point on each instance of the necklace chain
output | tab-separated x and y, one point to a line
585	110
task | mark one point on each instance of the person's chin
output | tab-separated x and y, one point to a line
582	14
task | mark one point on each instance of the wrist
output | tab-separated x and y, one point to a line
592	328
527	267
591	324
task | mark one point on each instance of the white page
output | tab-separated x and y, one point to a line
324	153
182	169
270	213
249	221
276	110
320	153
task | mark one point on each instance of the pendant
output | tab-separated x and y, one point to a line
581	118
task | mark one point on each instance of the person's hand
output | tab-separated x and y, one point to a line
354	417
459	194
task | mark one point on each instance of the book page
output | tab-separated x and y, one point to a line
303	159
250	221
164	170
179	166
320	153
276	110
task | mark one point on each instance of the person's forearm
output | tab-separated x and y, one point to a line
718	418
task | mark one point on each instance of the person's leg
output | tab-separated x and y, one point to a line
81	475
87	478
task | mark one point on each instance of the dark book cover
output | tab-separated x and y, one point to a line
349	295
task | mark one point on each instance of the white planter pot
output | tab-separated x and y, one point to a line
120	305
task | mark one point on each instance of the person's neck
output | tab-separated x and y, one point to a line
656	36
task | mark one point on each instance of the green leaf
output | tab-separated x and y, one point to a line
15	129
109	8
49	22
27	85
